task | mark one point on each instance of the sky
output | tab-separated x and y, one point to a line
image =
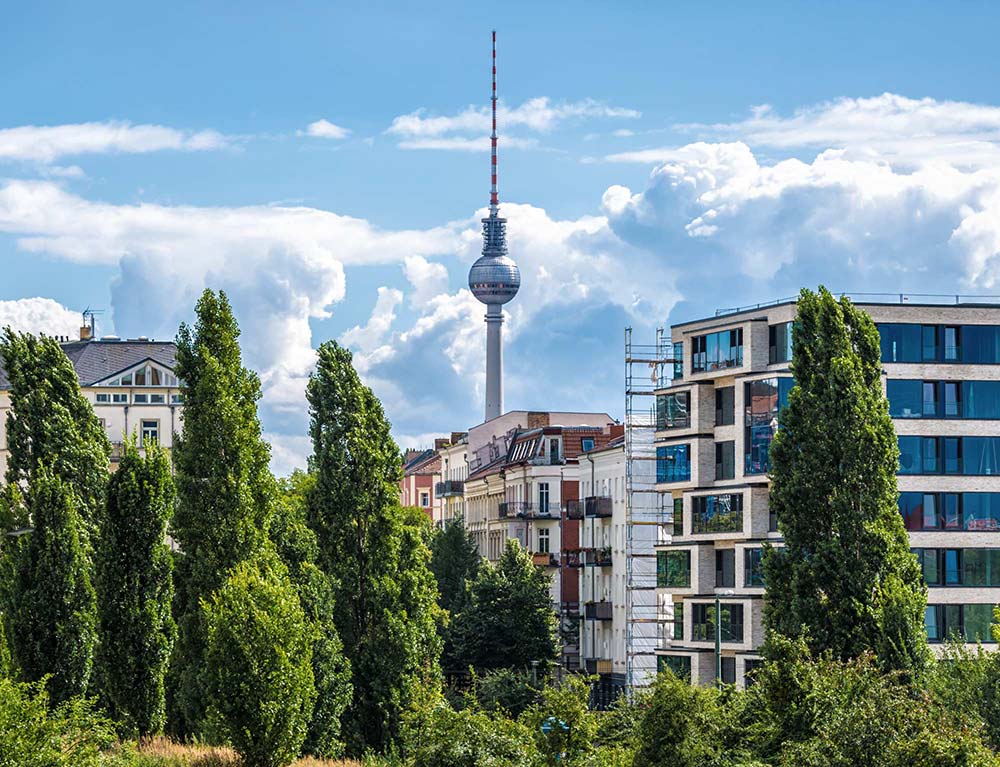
326	164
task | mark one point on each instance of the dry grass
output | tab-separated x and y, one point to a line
163	752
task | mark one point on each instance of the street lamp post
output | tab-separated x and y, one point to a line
718	636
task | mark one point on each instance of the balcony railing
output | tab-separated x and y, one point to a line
599	665
597	506
572	558
448	488
526	510
545	560
597	557
574	509
597	611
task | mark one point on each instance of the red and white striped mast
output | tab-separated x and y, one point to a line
494	194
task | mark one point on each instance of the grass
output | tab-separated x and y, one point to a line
163	752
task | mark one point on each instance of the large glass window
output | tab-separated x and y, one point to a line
971	456
725	460
981	399
725	406
905	398
717	513
679	665
900	342
679	360
975	344
725	568
969	622
981	455
981	567
717	351
950	511
944	399
678	620
673	410
763	401
980	344
678	528
779	342
730	623
673	569
673	463
753	568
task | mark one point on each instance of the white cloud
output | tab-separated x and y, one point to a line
288	452
367	337
47	144
326	129
39	315
419	130
428	279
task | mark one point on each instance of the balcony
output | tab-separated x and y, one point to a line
597	506
545	560
525	510
449	488
597	557
597	611
574	509
572	558
117	451
599	665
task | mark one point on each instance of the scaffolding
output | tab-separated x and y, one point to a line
647	515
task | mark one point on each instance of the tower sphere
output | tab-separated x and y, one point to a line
494	279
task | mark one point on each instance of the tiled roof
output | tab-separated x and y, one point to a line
96	360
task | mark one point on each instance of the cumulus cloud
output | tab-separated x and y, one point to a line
39	315
428	279
420	130
369	336
47	143
325	129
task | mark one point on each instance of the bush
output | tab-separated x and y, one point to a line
442	737
505	691
259	664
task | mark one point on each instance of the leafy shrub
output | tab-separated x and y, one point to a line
442	737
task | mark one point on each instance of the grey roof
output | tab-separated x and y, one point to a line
96	360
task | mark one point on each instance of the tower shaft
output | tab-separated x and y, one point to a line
494	361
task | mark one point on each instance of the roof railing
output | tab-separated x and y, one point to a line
944	299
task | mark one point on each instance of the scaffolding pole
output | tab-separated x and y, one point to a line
647	368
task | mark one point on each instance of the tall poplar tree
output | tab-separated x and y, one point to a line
224	487
454	562
134	591
845	577
383	590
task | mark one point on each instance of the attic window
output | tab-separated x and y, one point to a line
587	444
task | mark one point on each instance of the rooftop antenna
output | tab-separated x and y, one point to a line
494	194
90	318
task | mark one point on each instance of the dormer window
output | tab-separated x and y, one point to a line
146	375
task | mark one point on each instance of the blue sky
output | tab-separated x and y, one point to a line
657	161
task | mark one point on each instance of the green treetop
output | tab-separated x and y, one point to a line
508	620
845	578
383	590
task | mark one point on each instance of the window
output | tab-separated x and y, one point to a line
148	375
763	401
678	665
157	399
753	568
140	399
977	344
543	497
727	666
673	463
103	399
553	451
980	455
679	360
725	568
425	499
119	399
150	432
673	569
725	406
717	351
730	623
968	622
678	528
176	399
750	666
587	444
725	460
971	456
980	344
717	513
779	342
543	541
900	342
672	410
950	511
678	620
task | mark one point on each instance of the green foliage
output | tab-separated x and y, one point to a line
384	593
845	579
506	691
454	562
33	734
572	727
259	664
225	491
52	425
52	613
439	736
134	591
508	620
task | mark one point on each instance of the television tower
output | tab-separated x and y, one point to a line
494	279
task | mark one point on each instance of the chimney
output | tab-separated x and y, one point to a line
440	442
537	420
85	332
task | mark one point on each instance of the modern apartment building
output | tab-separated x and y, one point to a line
715	423
131	384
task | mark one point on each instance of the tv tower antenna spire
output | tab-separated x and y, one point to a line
494	279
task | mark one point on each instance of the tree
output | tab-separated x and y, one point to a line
225	491
259	664
53	607
134	591
383	590
52	424
845	579
508	620
454	562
